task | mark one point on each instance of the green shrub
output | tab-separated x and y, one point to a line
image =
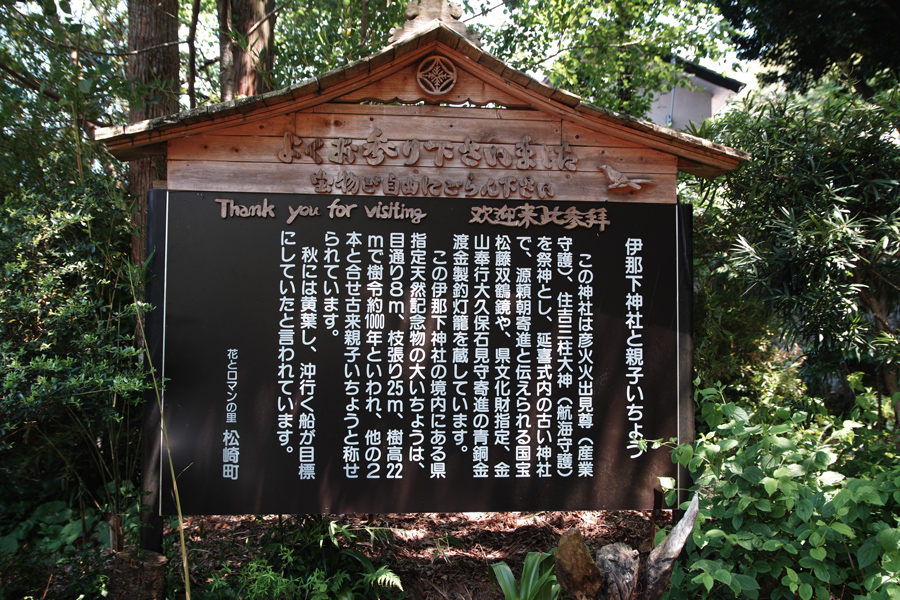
807	229
313	558
66	338
70	377
779	516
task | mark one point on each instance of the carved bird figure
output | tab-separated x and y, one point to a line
620	180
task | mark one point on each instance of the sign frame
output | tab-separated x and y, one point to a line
154	467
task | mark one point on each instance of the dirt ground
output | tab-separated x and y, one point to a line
440	556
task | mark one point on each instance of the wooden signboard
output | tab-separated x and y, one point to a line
334	354
424	281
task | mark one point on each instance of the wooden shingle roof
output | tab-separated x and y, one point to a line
510	88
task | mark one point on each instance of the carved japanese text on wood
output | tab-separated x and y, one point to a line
523	155
348	182
527	215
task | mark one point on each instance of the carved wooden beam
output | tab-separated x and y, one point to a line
421	14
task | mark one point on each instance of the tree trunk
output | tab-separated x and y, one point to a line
192	53
152	25
247	44
615	573
138	576
879	307
226	54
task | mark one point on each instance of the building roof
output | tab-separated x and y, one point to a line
695	155
711	76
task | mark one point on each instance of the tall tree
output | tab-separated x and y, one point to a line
153	67
814	219
247	46
617	53
804	40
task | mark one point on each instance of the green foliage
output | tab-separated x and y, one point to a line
56	538
735	333
538	578
790	507
441	544
63	74
811	227
618	54
66	334
805	41
69	365
310	38
69	372
315	558
314	37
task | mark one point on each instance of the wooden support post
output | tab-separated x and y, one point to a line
151	520
686	430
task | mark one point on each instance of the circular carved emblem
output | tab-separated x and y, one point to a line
436	75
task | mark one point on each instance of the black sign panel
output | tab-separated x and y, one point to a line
355	354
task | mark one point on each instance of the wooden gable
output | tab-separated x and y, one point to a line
431	115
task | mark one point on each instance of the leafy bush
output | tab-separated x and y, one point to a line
65	339
735	333
56	544
315	558
779	516
810	227
69	375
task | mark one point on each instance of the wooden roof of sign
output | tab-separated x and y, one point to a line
433	110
